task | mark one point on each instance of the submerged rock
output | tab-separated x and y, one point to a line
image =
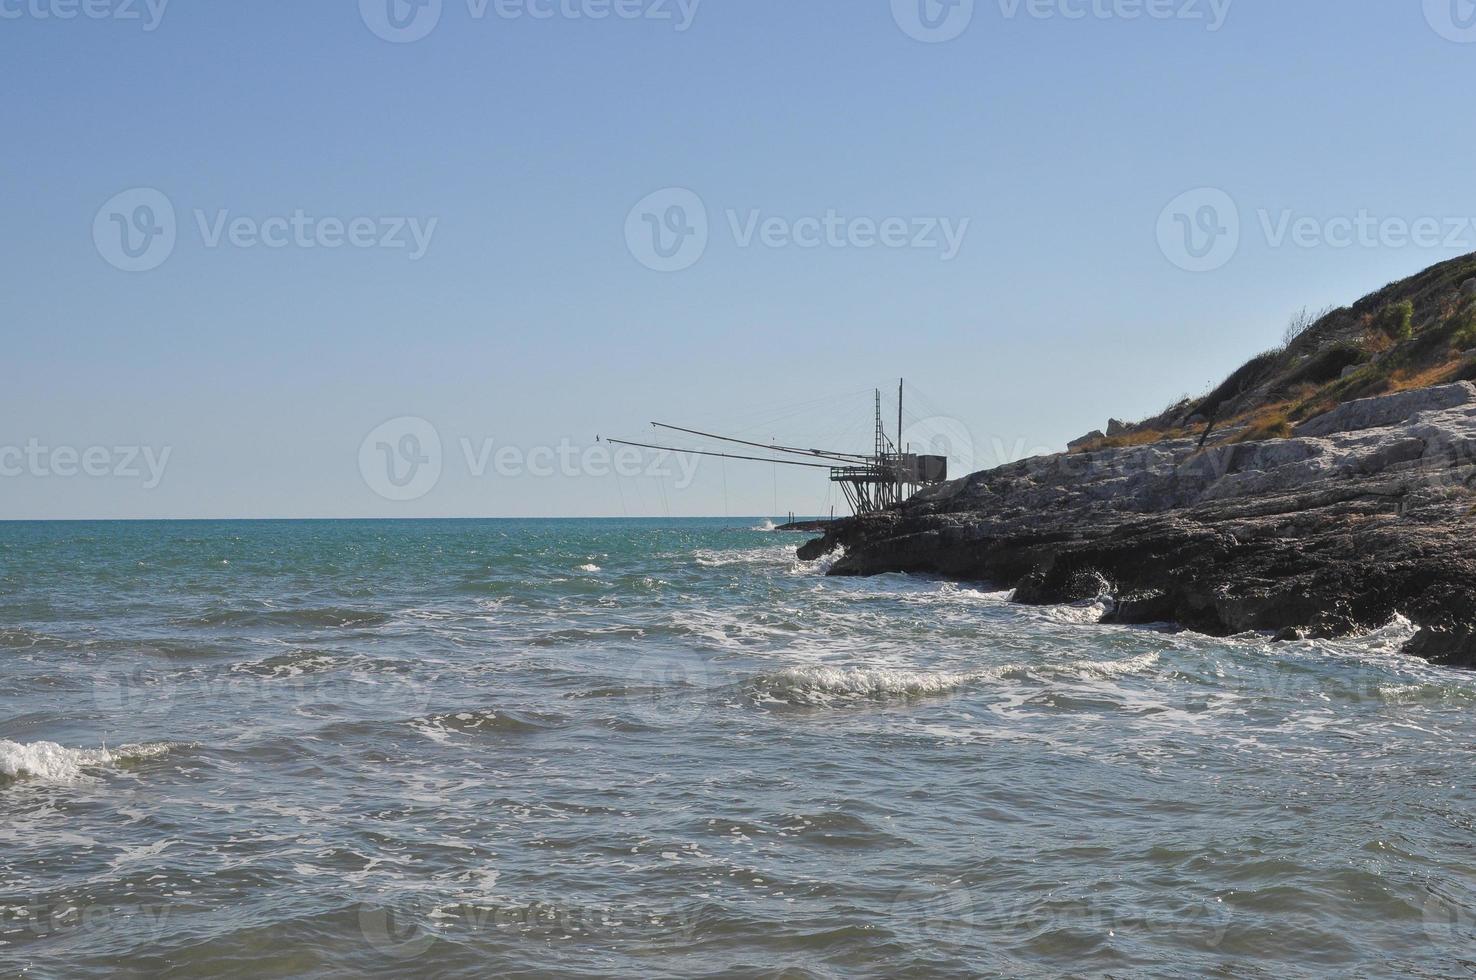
1369	512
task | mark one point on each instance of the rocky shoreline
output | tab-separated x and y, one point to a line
1367	512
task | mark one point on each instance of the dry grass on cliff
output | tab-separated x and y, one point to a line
1144	438
1270	422
1444	373
1415	333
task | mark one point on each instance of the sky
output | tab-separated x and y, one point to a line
384	258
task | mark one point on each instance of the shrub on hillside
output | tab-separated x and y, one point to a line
1396	321
1328	364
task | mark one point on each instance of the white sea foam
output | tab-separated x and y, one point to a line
1083	613
820	566
830	685
774	555
295	664
1391	637
821	685
1113	668
50	762
589	567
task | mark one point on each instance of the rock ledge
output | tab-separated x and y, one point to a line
1368	512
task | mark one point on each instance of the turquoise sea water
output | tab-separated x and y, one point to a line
666	748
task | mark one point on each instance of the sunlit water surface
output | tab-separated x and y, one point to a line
594	748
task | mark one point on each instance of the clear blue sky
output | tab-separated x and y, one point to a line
529	321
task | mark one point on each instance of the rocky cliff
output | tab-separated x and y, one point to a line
1365	512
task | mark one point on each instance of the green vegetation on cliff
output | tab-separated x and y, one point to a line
1414	333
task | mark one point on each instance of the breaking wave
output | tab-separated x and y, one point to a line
824	686
441	728
1107	669
1081	613
1391	637
294	664
50	762
818	686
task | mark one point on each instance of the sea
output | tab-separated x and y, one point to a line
667	748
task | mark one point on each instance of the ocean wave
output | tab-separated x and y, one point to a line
821	686
20	638
329	617
589	567
441	728
1078	613
774	555
50	762
820	566
294	664
1107	669
1389	638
